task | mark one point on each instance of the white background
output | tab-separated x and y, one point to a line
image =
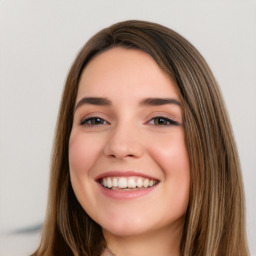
39	40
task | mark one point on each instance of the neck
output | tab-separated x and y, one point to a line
161	242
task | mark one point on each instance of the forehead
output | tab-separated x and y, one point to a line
125	71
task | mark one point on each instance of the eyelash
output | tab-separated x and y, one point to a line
89	121
95	121
164	121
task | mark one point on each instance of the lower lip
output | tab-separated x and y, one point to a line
128	194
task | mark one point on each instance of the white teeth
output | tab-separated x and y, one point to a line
122	183
131	183
105	182
139	182
114	182
146	183
127	182
109	182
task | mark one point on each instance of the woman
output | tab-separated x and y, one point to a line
144	160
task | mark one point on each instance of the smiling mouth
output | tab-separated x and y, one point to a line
127	183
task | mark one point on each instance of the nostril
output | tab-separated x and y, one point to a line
123	156
120	149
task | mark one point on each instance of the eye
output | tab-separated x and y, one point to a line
93	121
162	121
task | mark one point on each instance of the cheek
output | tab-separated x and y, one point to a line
78	164
82	153
170	153
172	157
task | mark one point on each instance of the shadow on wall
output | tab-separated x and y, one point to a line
20	242
27	230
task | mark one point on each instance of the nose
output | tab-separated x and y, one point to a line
124	142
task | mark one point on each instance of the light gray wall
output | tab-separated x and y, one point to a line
40	38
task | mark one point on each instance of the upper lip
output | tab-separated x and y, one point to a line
116	173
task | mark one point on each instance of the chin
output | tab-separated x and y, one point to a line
135	225
126	227
125	231
131	228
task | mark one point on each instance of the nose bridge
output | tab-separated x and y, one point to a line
124	141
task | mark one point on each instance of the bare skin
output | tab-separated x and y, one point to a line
128	129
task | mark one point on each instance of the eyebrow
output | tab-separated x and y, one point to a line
106	102
93	101
160	101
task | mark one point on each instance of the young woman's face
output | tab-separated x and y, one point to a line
128	161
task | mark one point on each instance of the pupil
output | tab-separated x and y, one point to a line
97	121
160	121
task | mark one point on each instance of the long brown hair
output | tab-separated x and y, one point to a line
215	219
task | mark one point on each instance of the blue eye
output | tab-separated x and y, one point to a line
163	121
93	121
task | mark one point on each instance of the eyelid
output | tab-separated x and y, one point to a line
95	115
170	122
163	115
86	121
